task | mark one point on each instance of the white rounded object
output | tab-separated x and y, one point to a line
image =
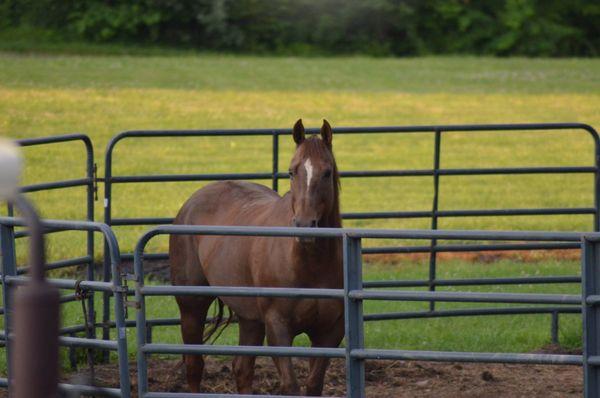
10	169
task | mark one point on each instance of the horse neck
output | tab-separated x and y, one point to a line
333	219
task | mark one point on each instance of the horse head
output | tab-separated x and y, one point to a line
314	179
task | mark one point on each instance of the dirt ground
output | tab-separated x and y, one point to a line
384	379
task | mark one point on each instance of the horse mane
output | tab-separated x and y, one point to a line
313	146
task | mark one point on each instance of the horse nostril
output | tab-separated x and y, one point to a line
313	223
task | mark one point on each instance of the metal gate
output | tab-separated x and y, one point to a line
353	294
435	173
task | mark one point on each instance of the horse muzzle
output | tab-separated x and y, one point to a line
306	224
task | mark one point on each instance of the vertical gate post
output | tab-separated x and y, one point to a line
9	268
434	213
140	323
120	297
106	266
596	182
275	169
590	282
353	312
91	175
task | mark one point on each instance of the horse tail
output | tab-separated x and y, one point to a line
218	323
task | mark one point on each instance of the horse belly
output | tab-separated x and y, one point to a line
323	316
224	261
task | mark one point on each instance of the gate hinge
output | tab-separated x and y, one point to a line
126	276
95	181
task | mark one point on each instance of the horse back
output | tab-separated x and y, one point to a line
223	260
228	203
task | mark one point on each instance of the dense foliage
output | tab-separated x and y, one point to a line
380	27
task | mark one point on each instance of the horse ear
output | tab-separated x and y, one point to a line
326	133
298	132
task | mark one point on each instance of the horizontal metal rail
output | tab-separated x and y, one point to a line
85	342
593	300
66	298
408	234
90	391
481	128
475	281
466	297
471	312
275	351
59	264
354	174
147	256
469	213
55	140
80	389
470	248
48	230
47	186
441	356
65	283
403	214
594	360
486	357
79	342
299	293
240	291
68	225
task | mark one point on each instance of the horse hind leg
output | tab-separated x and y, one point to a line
252	333
193	317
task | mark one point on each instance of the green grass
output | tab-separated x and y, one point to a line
44	94
103	95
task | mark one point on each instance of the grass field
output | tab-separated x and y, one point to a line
44	94
103	95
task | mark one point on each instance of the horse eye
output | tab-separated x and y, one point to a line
327	174
291	173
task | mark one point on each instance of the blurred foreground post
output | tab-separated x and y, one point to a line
35	339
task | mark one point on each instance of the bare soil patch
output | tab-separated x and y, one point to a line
384	379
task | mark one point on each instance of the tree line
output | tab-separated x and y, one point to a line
375	27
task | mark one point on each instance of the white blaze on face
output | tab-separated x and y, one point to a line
309	172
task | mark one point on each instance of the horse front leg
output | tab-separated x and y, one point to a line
251	333
318	366
279	333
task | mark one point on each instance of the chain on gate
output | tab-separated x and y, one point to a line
81	294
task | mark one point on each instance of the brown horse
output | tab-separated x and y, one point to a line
313	201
